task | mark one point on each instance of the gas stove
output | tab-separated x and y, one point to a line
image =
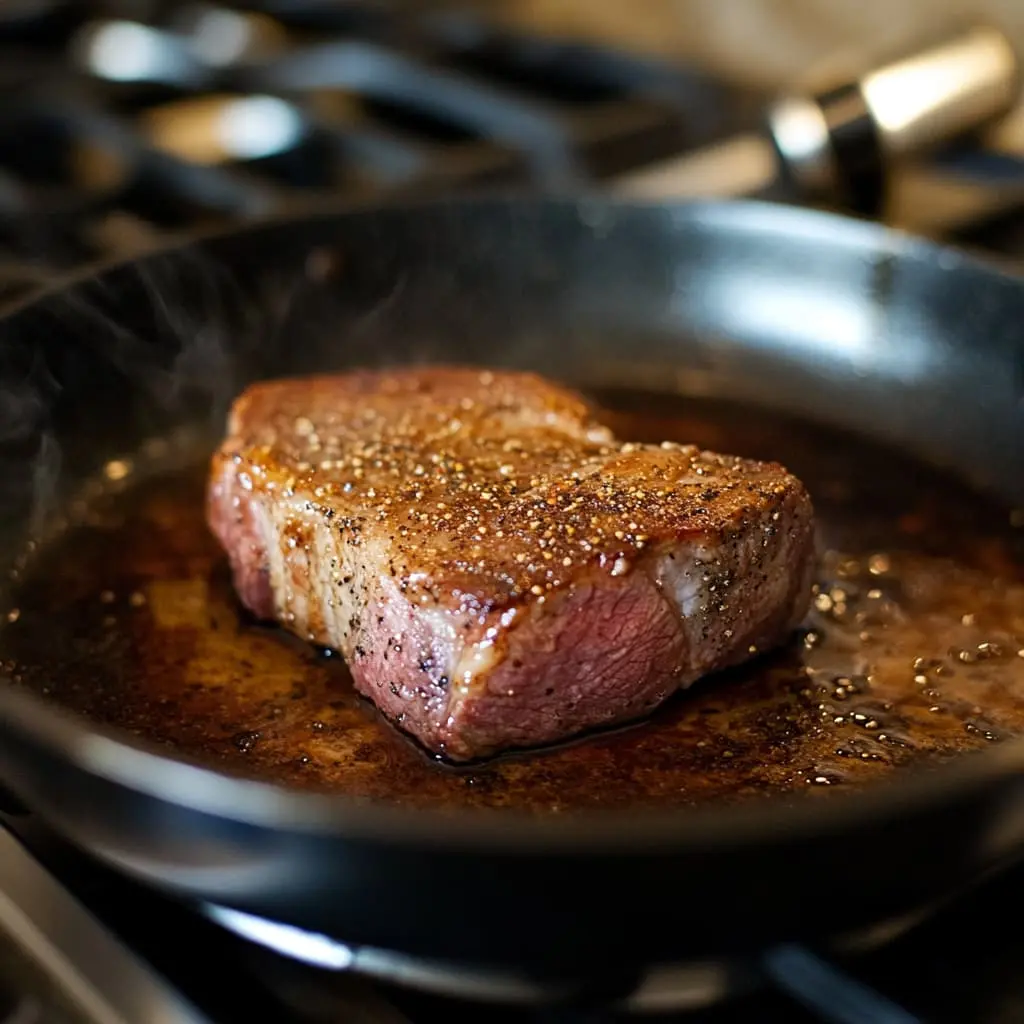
83	945
137	122
126	122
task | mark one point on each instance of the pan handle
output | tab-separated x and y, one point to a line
835	141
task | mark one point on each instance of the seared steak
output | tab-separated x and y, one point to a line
497	569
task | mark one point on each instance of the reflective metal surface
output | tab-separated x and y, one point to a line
62	961
959	85
662	988
842	141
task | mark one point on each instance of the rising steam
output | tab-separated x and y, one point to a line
88	371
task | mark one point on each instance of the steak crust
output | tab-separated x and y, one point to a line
497	569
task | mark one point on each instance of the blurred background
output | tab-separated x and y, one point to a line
760	42
123	122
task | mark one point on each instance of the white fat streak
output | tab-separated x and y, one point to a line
295	563
442	627
683	577
475	660
334	595
326	597
480	658
269	528
709	627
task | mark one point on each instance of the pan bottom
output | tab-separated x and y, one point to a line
912	653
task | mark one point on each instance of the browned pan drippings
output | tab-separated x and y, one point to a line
915	647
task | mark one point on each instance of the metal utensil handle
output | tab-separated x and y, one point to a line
835	143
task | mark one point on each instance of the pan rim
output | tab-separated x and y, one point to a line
141	766
751	215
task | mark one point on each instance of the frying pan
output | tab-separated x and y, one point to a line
838	321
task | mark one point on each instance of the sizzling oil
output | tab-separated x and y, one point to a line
913	649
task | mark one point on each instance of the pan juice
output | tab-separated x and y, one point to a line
912	651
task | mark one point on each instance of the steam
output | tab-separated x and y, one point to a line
89	372
86	373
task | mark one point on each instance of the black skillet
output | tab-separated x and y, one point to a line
833	320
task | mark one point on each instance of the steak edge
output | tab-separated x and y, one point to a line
497	569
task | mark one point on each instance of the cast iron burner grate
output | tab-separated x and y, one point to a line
126	122
122	122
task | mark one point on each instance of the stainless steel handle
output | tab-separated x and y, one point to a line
928	98
837	142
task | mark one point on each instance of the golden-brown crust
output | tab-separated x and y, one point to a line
505	483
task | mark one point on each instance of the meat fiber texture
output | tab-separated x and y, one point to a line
498	570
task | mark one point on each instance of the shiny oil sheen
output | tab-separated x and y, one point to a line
913	649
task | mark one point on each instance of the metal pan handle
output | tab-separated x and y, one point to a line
834	142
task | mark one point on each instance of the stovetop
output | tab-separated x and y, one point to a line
125	123
136	119
81	944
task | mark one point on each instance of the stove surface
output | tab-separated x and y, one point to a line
125	123
79	943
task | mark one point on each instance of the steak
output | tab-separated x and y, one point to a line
498	570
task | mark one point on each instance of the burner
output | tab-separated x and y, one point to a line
675	987
134	120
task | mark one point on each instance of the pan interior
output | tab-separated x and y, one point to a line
912	653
